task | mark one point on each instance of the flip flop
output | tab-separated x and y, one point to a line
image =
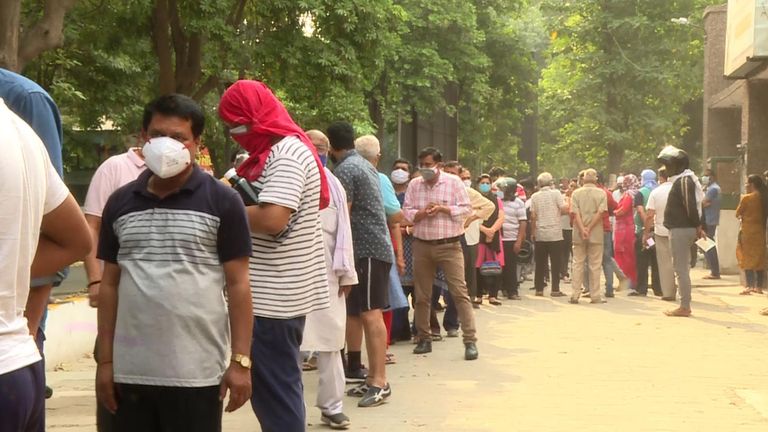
679	312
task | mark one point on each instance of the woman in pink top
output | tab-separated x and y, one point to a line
624	232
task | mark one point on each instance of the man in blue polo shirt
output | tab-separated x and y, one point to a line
173	242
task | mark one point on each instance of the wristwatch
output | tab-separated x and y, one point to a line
242	360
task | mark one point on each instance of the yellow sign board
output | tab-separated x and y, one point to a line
746	42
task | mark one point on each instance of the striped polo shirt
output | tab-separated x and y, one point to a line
172	324
288	271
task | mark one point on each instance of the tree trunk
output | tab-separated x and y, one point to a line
10	16
615	158
161	42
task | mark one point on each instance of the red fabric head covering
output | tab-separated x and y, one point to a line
252	103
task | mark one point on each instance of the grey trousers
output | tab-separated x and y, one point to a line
681	240
666	271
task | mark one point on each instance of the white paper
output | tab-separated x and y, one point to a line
705	244
650	243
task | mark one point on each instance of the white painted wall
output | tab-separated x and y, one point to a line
726	238
70	332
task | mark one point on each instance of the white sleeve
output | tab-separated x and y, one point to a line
55	192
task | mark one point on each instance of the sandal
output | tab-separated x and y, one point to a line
679	312
390	359
494	301
747	291
757	291
764	312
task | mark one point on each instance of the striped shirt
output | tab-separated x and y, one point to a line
171	306
514	213
448	191
288	271
546	205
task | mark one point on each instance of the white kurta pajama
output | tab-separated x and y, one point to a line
324	331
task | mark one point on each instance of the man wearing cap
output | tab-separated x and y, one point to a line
588	205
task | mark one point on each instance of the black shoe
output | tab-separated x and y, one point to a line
557	294
356	376
470	351
423	347
669	299
611	295
336	421
48	392
637	294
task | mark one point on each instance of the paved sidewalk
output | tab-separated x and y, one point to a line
548	366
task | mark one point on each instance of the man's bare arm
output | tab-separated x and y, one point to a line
64	239
268	218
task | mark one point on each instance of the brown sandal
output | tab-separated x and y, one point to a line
679	312
747	291
764	312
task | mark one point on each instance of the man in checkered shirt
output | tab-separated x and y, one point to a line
437	204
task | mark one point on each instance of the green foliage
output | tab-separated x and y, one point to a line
618	76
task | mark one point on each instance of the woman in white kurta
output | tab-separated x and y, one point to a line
324	331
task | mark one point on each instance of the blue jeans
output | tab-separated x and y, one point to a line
278	392
711	255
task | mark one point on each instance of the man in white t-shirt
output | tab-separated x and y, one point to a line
42	231
654	227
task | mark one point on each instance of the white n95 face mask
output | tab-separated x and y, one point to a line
166	157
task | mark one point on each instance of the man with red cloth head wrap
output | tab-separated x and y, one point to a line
287	266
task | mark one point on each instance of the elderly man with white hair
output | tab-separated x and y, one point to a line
547	205
325	329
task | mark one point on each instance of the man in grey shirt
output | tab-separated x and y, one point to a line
373	257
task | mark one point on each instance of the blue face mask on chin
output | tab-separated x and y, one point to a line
323	159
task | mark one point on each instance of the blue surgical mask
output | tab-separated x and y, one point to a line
323	159
484	187
500	194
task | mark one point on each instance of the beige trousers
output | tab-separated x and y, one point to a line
592	255
666	271
426	258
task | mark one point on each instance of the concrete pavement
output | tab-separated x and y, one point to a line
546	365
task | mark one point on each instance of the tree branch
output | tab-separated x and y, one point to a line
47	34
210	84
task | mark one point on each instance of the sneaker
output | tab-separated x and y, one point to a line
470	351
375	396
453	333
358	391
356	376
336	421
423	347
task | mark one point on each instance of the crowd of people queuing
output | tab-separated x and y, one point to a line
212	287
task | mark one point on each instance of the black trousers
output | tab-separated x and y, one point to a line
567	247
646	258
545	252
156	408
509	279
